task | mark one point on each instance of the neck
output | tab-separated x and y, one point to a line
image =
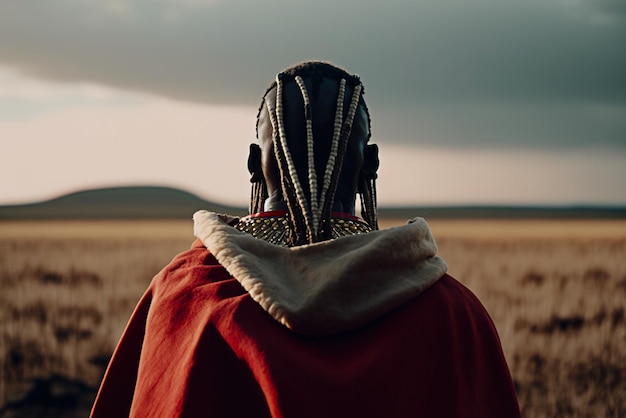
277	203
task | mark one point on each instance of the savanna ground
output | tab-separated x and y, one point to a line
555	289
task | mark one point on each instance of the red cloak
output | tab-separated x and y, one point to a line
198	345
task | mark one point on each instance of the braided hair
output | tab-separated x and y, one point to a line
309	214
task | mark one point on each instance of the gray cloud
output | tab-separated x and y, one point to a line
609	9
539	125
471	73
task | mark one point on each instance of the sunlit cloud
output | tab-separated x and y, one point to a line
13	85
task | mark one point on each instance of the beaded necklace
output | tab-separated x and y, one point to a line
273	226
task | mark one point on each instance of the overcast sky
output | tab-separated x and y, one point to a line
493	101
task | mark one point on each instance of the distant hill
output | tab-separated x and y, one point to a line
146	202
152	202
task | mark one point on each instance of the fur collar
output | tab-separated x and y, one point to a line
327	287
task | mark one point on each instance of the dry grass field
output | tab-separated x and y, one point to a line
556	291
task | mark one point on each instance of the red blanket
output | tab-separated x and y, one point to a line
197	345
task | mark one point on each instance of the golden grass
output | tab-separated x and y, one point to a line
555	290
521	229
100	229
67	290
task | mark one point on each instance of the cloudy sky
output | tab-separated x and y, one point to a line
472	101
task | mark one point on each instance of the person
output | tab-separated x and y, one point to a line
303	309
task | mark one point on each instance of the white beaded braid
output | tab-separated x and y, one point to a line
330	165
315	214
302	201
356	94
346	130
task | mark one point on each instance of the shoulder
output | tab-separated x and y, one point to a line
196	255
455	289
193	265
452	302
449	288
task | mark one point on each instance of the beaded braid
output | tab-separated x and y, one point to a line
346	130
373	213
257	197
367	189
313	201
368	203
296	222
330	165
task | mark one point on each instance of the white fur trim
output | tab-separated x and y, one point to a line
331	286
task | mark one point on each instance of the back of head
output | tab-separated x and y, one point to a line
313	127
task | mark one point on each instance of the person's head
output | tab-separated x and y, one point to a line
313	127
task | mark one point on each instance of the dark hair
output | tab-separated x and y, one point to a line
316	71
308	225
